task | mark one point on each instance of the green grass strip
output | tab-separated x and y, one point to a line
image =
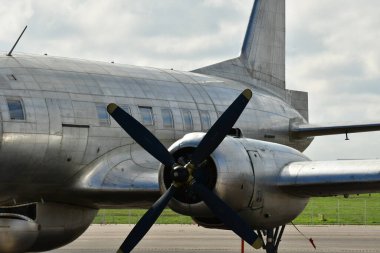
357	209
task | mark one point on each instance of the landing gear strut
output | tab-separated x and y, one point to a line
273	238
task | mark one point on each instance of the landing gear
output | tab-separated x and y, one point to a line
273	238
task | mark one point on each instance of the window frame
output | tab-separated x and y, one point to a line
207	114
171	126
21	103
126	108
102	121
150	110
188	112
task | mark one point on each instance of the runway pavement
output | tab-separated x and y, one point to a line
191	238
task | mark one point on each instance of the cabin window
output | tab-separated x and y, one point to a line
126	108
146	115
167	118
205	120
16	110
187	119
103	116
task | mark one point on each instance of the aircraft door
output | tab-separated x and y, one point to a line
55	121
67	139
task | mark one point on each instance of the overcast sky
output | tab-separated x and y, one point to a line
333	48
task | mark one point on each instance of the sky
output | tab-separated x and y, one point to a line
332	48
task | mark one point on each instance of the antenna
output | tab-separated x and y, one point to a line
10	52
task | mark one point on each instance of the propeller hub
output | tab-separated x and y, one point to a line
180	174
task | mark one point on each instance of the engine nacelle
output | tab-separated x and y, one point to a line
243	173
18	232
42	226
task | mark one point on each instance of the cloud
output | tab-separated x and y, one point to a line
333	54
332	47
135	32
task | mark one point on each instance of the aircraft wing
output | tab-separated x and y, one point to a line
312	179
298	131
118	179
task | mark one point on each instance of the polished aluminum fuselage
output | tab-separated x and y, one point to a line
62	140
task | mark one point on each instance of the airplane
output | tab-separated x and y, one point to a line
78	135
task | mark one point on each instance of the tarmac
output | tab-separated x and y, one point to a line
191	238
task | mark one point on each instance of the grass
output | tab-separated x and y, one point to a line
361	209
131	216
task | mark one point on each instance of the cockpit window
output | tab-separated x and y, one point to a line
16	110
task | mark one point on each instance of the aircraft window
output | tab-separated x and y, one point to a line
146	115
205	120
16	111
126	109
187	119
103	116
167	118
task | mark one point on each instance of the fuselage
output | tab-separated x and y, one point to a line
63	125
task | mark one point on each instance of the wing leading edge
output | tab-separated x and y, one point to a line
299	131
313	179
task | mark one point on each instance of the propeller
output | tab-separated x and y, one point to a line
183	175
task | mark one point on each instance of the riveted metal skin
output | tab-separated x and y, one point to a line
62	130
68	158
63	152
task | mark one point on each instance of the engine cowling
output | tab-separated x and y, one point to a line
18	232
219	172
243	173
41	226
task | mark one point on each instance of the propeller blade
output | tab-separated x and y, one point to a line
141	135
146	222
221	128
229	217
